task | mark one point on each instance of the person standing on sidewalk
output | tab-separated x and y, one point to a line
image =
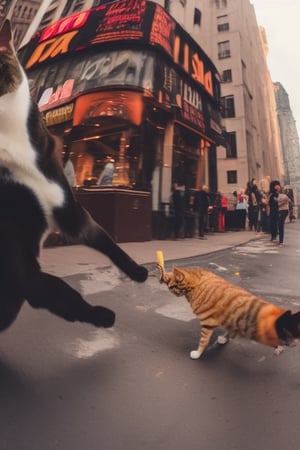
178	203
273	207
222	213
283	212
254	198
202	203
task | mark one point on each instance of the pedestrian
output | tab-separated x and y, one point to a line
283	212
178	205
189	213
289	193
222	213
69	172
254	198
215	201
202	205
106	176
273	208
264	214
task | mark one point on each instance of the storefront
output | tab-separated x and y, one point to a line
136	102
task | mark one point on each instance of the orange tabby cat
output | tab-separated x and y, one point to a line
220	304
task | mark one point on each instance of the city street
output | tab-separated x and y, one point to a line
69	386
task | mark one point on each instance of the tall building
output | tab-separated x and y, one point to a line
53	10
230	35
21	13
126	82
228	32
290	141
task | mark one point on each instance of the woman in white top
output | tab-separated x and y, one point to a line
283	211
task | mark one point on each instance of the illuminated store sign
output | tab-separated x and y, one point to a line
59	115
139	21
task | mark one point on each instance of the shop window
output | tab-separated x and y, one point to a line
223	24
231	176
197	16
231	151
185	157
224	49
228	109
227	76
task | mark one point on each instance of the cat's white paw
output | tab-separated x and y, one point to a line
278	350
222	339
195	354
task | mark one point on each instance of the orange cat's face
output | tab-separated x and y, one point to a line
178	281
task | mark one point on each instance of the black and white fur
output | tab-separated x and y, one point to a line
35	199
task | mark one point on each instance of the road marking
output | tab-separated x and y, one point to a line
256	247
100	281
98	341
177	310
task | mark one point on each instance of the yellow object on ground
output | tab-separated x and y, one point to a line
160	258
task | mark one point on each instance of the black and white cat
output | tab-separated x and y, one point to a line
35	199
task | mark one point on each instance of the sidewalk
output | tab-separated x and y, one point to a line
71	260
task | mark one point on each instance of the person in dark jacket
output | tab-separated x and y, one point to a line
254	198
178	203
202	203
189	215
275	188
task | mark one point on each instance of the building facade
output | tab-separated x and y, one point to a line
21	14
230	35
228	32
290	142
124	81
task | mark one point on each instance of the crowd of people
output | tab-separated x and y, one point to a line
197	212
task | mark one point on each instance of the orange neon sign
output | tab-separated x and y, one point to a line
51	48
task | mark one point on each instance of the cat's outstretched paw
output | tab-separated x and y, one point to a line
102	317
195	354
140	274
222	339
278	350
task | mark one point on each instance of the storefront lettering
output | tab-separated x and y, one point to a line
190	114
65	25
51	48
62	92
59	115
192	97
121	21
199	74
162	30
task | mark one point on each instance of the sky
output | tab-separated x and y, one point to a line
281	20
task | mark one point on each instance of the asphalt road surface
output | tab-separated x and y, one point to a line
73	387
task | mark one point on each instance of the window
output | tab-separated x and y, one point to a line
228	106
221	4
231	151
224	49
223	24
231	176
197	16
227	76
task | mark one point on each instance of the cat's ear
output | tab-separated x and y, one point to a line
6	37
178	274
